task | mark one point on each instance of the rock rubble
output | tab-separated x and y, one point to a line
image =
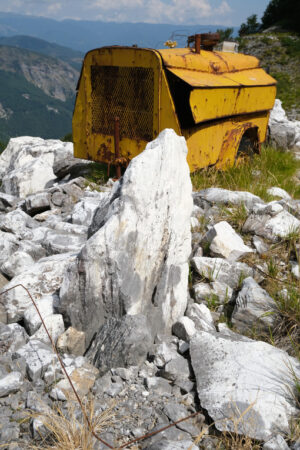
138	299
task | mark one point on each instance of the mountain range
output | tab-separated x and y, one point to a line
84	35
40	61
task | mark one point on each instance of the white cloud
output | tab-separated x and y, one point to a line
54	7
151	11
158	11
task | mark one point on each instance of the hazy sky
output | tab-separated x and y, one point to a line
221	12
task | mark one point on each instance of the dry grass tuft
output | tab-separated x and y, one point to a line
227	440
70	431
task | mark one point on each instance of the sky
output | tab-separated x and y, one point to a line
187	12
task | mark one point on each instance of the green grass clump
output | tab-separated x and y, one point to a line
97	173
288	90
271	167
291	45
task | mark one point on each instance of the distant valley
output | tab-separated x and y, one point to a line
84	35
37	89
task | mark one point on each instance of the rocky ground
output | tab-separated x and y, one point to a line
159	307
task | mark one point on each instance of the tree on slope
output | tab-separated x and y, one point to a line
250	27
285	13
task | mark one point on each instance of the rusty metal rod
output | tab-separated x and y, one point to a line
197	43
117	147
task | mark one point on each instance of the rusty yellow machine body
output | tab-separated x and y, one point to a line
213	99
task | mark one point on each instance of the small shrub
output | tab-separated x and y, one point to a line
272	268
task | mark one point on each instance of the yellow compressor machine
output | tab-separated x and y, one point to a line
215	99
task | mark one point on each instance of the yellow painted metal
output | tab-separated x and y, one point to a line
99	146
168	117
228	94
209	104
211	62
217	143
254	77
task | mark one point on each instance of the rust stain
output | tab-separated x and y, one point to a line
223	60
214	67
105	153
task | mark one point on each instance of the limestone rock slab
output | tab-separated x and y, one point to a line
137	262
237	375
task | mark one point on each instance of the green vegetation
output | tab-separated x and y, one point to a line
291	44
3	145
250	27
67	138
270	168
279	54
97	174
225	35
33	112
287	90
284	13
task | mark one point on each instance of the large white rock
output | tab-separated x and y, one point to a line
272	226
12	337
218	269
224	196
254	308
276	443
28	179
16	264
225	242
10	383
284	133
279	192
201	316
37	203
19	223
55	326
25	149
38	357
44	277
84	210
246	386
184	328
9	243
32	319
59	242
137	262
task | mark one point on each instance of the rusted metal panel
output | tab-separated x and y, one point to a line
113	83
209	104
216	143
206	61
255	77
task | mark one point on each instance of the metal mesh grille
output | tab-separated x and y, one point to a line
124	92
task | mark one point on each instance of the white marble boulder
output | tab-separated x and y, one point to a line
137	262
246	386
254	308
272	222
224	242
26	165
284	133
42	278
